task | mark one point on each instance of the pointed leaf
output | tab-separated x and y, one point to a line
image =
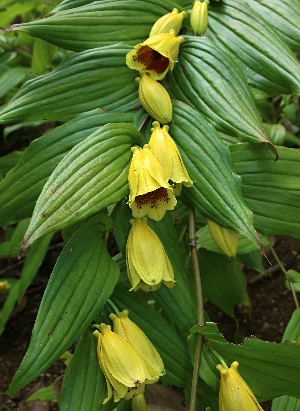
264	58
82	82
22	186
100	23
84	386
80	284
216	193
92	176
284	17
270	369
271	190
208	80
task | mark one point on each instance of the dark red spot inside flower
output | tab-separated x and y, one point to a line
160	194
152	59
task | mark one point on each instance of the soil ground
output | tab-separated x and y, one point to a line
272	307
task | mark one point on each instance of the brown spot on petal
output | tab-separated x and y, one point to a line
151	59
160	194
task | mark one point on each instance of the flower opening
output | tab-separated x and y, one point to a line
156	55
147	262
235	394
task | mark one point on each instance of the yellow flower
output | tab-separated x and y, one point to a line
235	394
4	286
155	99
168	22
166	152
226	239
199	17
124	370
156	55
127	329
150	193
147	263
138	403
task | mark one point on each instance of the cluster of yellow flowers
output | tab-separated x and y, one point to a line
127	358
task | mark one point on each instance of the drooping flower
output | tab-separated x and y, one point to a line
4	286
226	239
164	149
199	17
156	55
168	22
124	370
127	329
150	193
235	394
155	99
147	262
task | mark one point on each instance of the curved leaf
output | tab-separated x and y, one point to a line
80	284
271	190
21	187
92	79
100	23
92	176
216	193
284	17
264	58
207	79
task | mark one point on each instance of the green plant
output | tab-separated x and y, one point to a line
75	179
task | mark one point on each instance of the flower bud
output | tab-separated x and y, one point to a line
235	394
4	286
155	99
170	21
226	239
199	17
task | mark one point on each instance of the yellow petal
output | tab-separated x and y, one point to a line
226	239
155	99
199	17
146	257
127	329
235	394
166	152
168	22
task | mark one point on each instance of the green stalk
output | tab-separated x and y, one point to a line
200	310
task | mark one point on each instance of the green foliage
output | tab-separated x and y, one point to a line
235	101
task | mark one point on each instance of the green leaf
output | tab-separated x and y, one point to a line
92	176
33	261
284	17
253	260
84	386
216	193
11	78
264	58
44	394
9	161
294	277
223	281
291	333
80	284
42	56
22	186
269	369
10	248
82	82
271	189
208	80
101	23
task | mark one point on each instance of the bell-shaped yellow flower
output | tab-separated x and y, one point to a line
156	55
124	370
199	17
168	22
155	99
150	192
164	149
235	394
127	329
147	263
4	286
226	239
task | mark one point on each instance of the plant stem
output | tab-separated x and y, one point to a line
284	272
114	307
200	310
